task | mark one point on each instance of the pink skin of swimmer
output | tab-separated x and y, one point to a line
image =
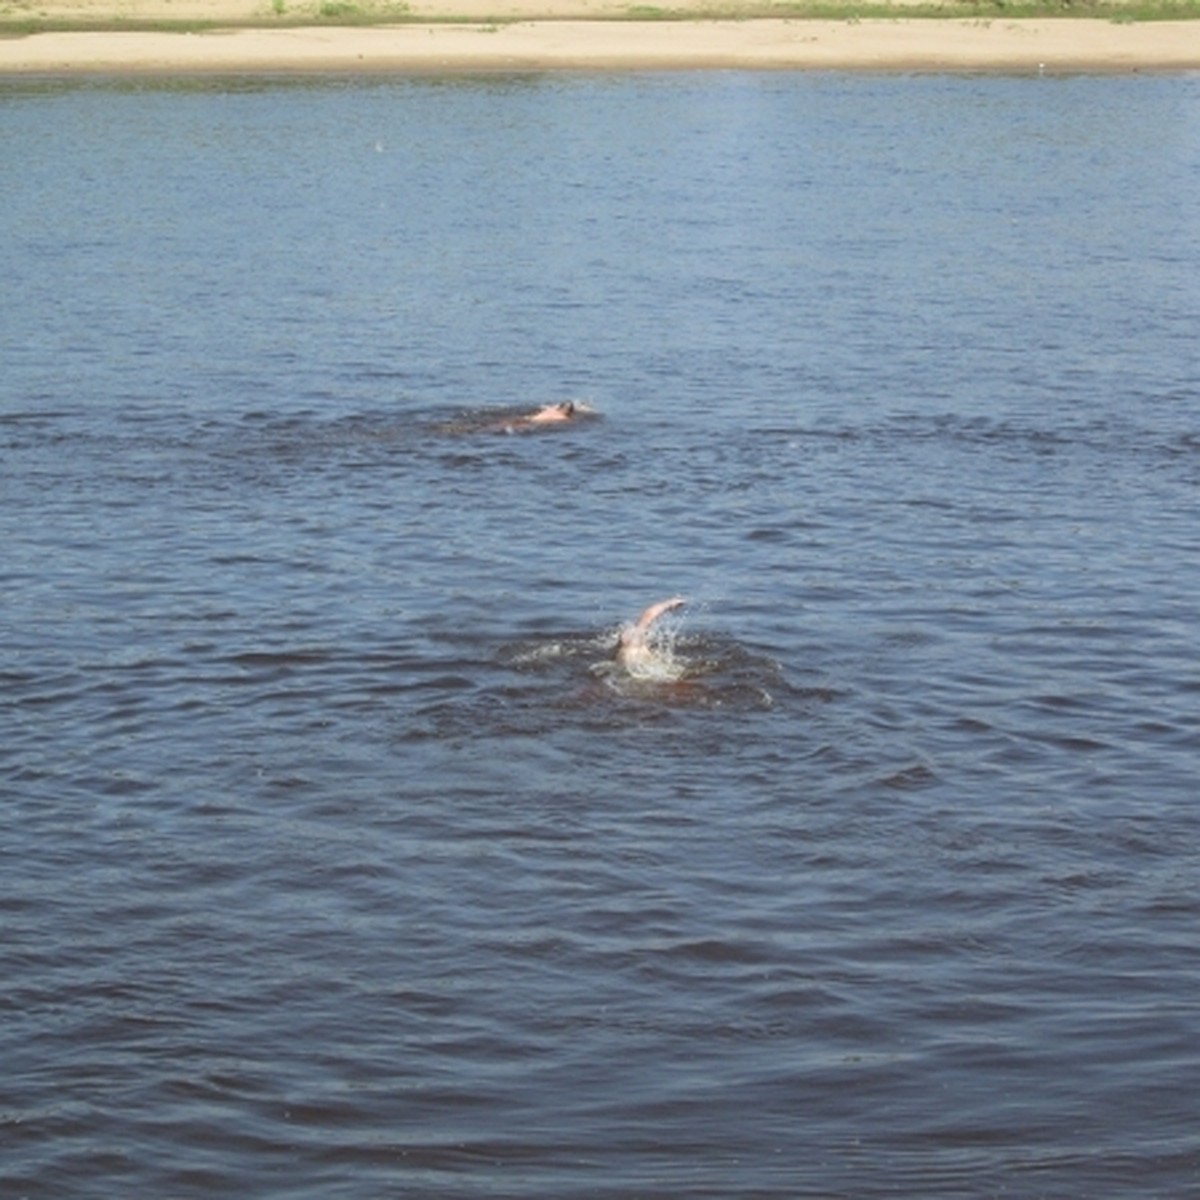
633	648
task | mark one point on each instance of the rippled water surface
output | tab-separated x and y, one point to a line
336	859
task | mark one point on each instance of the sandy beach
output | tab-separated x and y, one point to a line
529	35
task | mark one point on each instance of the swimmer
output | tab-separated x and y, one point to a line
634	652
549	416
561	413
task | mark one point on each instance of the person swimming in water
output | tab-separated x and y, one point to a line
563	411
550	414
634	652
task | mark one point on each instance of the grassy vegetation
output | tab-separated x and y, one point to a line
848	10
330	12
20	20
1104	10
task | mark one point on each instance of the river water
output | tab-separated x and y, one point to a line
336	859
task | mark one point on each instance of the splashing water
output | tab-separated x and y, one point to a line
678	668
658	659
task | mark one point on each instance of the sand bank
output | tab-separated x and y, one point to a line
575	42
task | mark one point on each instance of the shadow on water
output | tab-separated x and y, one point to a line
367	438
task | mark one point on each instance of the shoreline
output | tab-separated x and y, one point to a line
584	35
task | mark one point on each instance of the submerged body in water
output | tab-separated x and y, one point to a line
642	655
653	663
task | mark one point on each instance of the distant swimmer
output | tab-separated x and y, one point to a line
563	411
634	652
550	414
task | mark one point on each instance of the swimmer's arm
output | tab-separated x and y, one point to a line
657	610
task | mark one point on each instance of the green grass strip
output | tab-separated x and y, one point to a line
347	13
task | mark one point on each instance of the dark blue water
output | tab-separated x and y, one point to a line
333	862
